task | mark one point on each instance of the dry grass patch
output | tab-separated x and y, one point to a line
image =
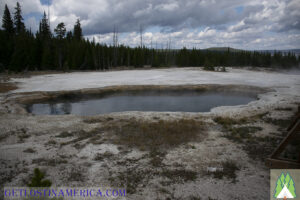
284	109
102	156
196	198
6	87
23	136
131	179
227	121
134	178
148	135
95	120
156	158
51	143
2	137
76	174
256	147
80	135
281	123
229	169
241	133
260	147
92	120
49	161
65	134
179	175
29	150
237	134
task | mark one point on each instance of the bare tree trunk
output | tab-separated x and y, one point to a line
115	45
128	58
151	62
141	35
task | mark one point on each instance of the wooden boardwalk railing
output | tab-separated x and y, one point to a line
274	162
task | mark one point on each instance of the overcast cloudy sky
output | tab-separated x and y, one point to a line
245	24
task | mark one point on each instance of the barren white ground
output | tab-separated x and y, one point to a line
173	76
252	178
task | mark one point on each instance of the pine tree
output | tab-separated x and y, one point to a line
47	58
18	20
44	29
69	35
38	179
6	42
77	30
7	22
60	30
19	57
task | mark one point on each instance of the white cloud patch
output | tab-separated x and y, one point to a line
32	24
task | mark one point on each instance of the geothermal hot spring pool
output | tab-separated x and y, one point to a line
158	101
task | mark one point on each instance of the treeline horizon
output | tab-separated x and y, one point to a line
22	50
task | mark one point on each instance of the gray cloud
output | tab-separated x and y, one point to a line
291	18
201	23
129	15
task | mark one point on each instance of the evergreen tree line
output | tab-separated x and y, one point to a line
22	50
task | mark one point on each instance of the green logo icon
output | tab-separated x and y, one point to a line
285	187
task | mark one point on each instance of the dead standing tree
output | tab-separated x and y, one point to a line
115	46
141	35
141	54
